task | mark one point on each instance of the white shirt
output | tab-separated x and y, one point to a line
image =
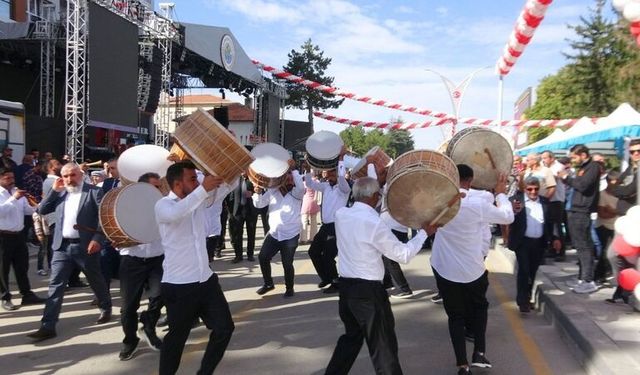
333	197
486	233
70	215
362	238
535	218
12	211
212	224
145	250
284	211
457	254
181	224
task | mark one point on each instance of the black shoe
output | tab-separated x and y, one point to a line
94	302
105	317
479	360
437	298
77	284
218	254
128	350
288	293
42	334
464	371
251	259
525	308
403	294
149	335
162	322
8	305
322	284
330	290
264	289
32	299
236	260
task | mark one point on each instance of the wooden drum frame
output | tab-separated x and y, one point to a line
380	159
211	146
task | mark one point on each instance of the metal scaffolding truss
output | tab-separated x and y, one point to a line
46	30
162	118
76	89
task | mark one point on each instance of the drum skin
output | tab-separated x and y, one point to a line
470	146
210	145
380	159
421	184
127	214
323	150
270	167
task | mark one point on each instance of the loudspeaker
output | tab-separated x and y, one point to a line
222	115
155	86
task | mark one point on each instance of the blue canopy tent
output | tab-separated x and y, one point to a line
607	135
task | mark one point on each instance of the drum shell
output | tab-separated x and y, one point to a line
420	185
380	159
108	216
210	145
322	165
469	146
263	181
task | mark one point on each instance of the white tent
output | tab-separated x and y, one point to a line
606	135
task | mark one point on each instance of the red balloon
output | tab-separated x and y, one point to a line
635	30
628	279
623	248
635	24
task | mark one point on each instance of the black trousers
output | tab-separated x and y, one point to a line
264	219
603	267
366	313
529	256
236	229
392	270
323	252
556	218
580	229
465	301
287	249
14	253
135	274
185	303
213	245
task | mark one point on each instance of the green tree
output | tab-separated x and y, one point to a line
374	138
400	141
310	64
354	139
556	96
536	134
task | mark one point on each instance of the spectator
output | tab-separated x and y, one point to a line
557	201
7	162
626	187
607	216
20	170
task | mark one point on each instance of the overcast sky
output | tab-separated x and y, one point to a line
382	48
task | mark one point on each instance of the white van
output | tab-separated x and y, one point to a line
12	128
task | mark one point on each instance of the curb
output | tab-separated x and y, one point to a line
592	347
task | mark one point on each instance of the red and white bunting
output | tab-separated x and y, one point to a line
630	9
526	25
467	121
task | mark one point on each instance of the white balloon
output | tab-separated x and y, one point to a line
632	236
525	29
513	43
509	58
138	160
620	4
632	11
634	214
636	292
536	9
620	225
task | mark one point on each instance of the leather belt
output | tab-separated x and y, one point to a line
9	232
71	240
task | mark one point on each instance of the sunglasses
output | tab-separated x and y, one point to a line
637	150
533	189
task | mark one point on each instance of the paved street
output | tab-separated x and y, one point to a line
295	336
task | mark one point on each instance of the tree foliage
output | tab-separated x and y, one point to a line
393	142
310	64
603	70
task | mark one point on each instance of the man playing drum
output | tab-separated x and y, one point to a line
323	250
284	204
189	288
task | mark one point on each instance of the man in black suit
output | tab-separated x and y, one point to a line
528	237
241	212
77	240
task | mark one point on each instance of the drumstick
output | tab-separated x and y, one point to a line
450	204
493	163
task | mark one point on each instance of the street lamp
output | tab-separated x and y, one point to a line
456	92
